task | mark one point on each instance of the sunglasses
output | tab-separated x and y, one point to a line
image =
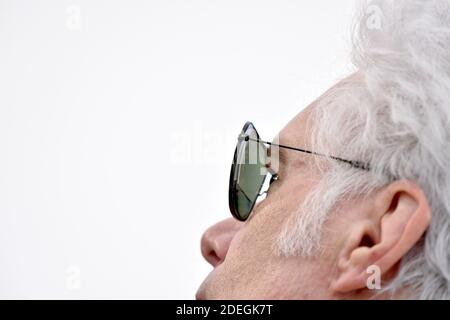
254	168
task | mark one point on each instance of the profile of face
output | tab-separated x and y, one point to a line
363	240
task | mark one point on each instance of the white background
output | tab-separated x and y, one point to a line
117	127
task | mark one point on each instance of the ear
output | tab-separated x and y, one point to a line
398	216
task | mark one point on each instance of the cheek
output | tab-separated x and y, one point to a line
254	242
292	190
252	267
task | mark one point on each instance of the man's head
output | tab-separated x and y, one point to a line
327	230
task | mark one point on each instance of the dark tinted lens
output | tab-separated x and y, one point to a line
248	174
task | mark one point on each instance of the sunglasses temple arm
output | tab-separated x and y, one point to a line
356	164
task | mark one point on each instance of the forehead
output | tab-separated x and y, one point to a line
297	132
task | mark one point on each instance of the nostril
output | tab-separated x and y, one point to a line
214	248
208	249
216	241
213	258
211	248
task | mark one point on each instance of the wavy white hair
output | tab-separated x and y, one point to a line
394	115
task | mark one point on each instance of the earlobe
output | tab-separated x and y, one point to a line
397	221
356	253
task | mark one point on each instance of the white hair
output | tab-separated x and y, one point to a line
394	114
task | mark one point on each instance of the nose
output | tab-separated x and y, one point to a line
216	240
